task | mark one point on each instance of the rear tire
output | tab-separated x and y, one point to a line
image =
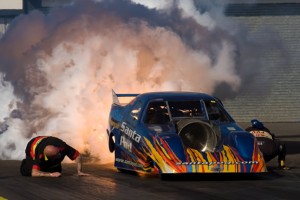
111	143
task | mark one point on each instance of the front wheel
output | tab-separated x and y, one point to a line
126	171
167	177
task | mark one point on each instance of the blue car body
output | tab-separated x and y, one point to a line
179	132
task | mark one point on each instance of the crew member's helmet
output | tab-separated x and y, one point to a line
257	124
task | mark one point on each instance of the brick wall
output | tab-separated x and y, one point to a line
282	102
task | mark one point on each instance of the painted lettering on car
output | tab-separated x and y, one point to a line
218	163
130	133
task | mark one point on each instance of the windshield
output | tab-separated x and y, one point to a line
161	112
186	109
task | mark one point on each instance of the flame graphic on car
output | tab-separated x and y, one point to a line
227	160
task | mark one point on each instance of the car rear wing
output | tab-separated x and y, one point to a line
116	96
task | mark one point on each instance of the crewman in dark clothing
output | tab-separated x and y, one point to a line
44	155
268	144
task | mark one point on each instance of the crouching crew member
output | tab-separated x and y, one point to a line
268	144
44	155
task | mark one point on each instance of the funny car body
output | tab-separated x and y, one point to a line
179	132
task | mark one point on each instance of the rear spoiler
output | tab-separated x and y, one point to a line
116	96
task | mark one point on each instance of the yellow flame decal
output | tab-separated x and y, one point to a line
227	160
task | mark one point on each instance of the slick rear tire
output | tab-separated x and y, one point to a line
111	143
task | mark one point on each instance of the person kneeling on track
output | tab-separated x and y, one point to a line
44	155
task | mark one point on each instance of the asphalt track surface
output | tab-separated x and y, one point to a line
105	182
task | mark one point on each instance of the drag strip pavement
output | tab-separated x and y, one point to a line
106	182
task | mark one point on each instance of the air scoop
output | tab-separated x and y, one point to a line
197	134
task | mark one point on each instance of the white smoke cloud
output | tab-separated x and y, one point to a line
7	98
187	8
12	126
160	5
66	70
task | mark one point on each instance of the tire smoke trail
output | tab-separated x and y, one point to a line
58	69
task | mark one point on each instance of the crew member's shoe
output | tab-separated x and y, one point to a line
282	165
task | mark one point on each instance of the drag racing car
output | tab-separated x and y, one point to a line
179	132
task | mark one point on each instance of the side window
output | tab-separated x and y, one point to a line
134	113
186	109
157	113
215	113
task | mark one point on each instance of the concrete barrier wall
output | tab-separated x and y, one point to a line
291	129
281	102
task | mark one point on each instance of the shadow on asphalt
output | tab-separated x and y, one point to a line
221	177
273	173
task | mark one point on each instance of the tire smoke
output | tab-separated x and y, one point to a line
57	70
